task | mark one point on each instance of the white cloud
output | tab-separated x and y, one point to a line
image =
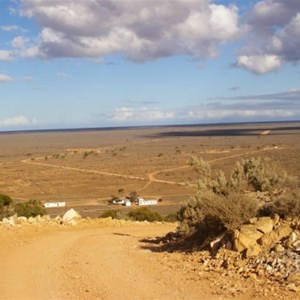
284	106
6	55
20	42
259	64
274	36
139	114
17	121
140	30
254	114
5	78
12	28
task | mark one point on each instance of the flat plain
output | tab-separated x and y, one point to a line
85	168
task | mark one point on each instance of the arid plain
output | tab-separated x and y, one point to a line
84	168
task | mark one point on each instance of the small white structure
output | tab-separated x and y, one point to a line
142	201
54	204
127	203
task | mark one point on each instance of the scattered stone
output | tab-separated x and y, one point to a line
8	221
21	220
70	215
264	225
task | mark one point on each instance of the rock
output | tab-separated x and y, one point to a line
250	230
264	225
283	231
253	221
293	287
9	221
294	278
276	219
246	237
70	215
296	246
46	217
253	250
21	220
292	241
38	218
31	220
279	248
275	236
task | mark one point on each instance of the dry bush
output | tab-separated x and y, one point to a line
258	174
285	205
211	214
144	214
114	214
31	208
5	203
222	204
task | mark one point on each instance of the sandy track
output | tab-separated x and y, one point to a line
91	263
26	161
151	176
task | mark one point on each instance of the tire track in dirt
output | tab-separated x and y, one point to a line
101	262
26	161
151	176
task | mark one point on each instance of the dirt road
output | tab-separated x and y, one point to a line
90	263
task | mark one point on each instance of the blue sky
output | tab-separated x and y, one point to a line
94	63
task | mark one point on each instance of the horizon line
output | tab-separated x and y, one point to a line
66	129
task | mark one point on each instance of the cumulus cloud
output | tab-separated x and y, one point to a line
140	30
274	36
17	121
20	42
260	64
5	78
6	55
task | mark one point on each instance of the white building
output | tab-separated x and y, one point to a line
142	201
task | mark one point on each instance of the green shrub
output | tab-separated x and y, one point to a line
4	201
258	174
285	205
212	214
114	214
144	214
172	217
31	208
222	204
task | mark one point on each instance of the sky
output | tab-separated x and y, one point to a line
107	63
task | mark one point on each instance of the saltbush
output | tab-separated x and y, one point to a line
285	205
31	208
114	214
144	214
5	203
223	203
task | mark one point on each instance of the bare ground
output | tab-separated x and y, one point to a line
101	259
89	263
